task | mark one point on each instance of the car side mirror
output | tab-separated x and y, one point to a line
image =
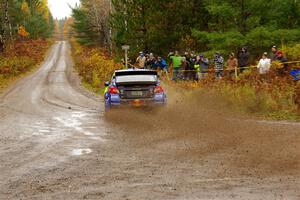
106	84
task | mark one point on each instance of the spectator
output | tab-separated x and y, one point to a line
189	66
203	64
264	64
141	60
162	65
197	68
177	64
219	65
284	60
186	65
273	55
243	59
150	62
193	63
232	65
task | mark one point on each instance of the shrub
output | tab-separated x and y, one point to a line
20	57
93	65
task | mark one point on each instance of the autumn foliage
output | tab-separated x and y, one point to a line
22	32
273	96
93	65
20	57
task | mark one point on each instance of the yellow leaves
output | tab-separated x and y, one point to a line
93	64
25	9
22	32
277	65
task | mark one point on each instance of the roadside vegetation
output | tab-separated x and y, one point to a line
21	57
94	66
25	29
272	100
278	97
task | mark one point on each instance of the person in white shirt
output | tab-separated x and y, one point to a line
264	64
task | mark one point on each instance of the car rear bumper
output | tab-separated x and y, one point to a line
158	100
138	102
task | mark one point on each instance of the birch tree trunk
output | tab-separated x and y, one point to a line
2	26
6	29
7	20
1	42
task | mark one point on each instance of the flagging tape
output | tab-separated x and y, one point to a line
251	67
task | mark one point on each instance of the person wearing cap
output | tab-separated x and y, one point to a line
232	65
273	55
264	64
284	60
141	60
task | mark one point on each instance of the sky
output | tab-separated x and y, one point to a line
60	8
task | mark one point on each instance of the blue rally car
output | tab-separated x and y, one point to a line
134	87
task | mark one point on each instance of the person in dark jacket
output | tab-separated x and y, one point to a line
193	72
201	66
273	55
150	61
243	59
284	60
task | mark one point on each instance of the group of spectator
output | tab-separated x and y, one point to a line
191	66
149	61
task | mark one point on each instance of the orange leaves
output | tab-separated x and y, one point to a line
21	56
31	48
22	32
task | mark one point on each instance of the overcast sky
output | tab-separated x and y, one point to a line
60	8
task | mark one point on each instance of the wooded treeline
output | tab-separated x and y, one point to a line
160	26
24	18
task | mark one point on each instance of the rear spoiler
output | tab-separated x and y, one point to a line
128	73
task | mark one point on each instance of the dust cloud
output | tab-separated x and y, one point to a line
196	127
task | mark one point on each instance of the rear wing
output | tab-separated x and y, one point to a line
135	72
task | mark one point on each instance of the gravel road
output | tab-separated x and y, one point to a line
57	143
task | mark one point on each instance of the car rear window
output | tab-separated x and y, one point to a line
141	79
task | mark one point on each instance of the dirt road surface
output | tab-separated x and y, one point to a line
57	143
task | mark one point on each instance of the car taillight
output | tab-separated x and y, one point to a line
113	90
158	89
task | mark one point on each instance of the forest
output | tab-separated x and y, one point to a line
26	29
198	25
20	19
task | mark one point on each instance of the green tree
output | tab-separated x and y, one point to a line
91	22
204	25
